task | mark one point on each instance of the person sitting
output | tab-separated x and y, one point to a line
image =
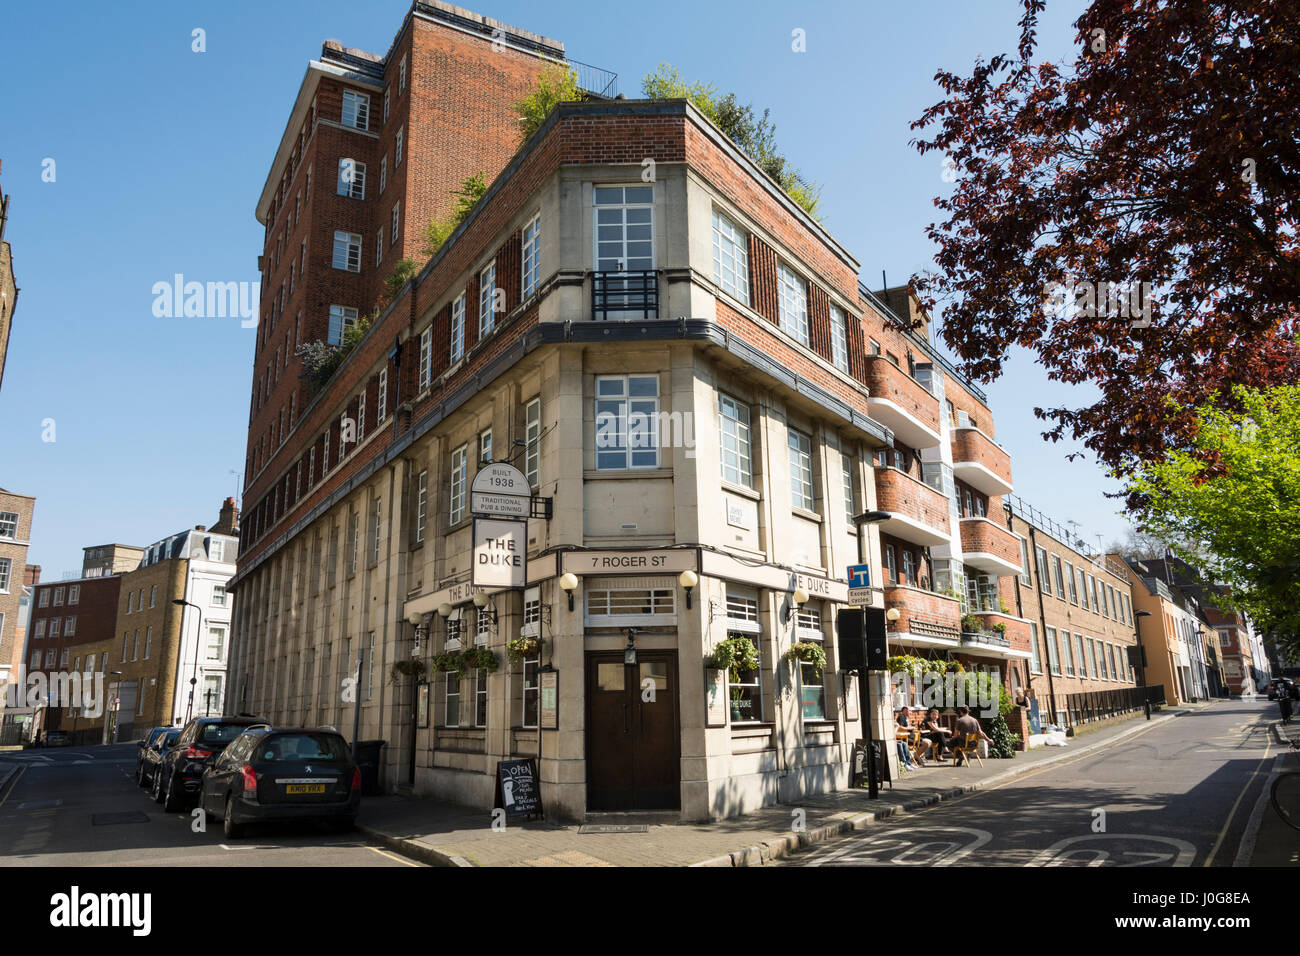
935	734
968	726
905	735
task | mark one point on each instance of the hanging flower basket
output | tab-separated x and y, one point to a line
735	654
412	667
480	657
807	652
524	648
446	662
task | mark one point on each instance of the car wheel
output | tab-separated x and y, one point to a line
171	799
156	786
229	827
139	775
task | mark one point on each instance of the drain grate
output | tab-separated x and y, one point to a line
127	816
614	828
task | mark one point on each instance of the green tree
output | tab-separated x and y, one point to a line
465	197
554	86
1236	493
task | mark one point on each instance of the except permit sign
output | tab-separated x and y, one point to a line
500	553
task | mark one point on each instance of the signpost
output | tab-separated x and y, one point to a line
517	788
859	577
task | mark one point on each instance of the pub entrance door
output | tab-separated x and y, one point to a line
633	732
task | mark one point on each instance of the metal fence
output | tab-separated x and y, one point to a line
624	294
1090	706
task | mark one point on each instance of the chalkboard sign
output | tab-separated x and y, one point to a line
859	769
517	792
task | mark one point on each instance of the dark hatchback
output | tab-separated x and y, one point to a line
268	775
177	777
152	755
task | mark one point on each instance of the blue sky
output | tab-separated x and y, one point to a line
160	154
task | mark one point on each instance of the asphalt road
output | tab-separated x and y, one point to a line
1179	794
81	807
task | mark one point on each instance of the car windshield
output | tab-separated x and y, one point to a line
171	738
300	748
220	733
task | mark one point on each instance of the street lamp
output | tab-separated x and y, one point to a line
194	672
568	581
416	620
864	686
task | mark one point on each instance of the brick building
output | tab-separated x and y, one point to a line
8	286
1170	625
15	538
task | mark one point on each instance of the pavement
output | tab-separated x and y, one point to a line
1273	842
452	835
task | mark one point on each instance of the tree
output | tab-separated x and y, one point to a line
1248	514
754	134
554	86
438	231
1166	154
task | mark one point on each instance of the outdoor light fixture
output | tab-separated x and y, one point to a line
444	610
481	600
893	614
688	580
629	652
797	599
568	581
416	620
872	517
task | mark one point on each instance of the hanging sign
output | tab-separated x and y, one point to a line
500	553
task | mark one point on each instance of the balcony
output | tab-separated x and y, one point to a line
926	618
989	548
980	462
901	403
625	295
919	514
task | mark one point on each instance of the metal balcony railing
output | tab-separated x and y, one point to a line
989	638
594	80
625	295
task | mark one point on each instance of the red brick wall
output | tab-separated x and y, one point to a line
982	536
971	446
887	381
898	492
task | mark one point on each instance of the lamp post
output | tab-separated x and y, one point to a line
1142	663
194	672
864	687
418	629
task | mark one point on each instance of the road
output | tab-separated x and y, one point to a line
81	807
1179	794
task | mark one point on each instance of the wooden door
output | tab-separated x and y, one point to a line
633	733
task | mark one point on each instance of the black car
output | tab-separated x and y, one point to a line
1279	687
176	780
266	775
152	755
152	734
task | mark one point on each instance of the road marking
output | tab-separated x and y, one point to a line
1236	803
1060	852
13	784
392	857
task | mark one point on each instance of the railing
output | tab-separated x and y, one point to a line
625	292
594	80
990	638
1098	705
933	629
1018	506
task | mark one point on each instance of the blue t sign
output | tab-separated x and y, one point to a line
859	575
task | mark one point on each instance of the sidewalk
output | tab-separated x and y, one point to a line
1271	841
446	834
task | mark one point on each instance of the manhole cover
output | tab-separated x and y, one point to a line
40	804
614	828
128	816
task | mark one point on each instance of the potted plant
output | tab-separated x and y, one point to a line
1000	628
807	652
411	667
735	654
970	624
480	657
522	648
449	661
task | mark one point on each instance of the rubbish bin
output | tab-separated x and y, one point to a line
368	756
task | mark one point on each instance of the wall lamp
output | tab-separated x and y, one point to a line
568	581
892	615
481	600
444	610
416	620
797	599
629	652
688	580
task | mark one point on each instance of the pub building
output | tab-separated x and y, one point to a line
697	391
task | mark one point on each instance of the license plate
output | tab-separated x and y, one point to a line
304	788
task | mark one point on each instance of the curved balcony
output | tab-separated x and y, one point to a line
902	404
926	618
1015	639
980	462
918	513
989	548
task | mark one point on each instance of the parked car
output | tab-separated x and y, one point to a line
177	778
152	734
153	755
267	775
1278	687
57	738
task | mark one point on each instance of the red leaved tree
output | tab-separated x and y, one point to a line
1166	154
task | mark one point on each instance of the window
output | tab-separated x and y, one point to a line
397	147
354	528
1092	582
376	527
356	110
1052	651
148	641
40	628
480	697
801	473
426	358
456	508
458	328
627	421
839	339
874	346
126	642
386	103
216	642
1101	671
379	246
1105	606
347	251
74	593
453	699
1044	581
130	601
736	450
730	258
58	597
812	689
153	596
381	410
1069	576
401	77
624	228
744	687
794	304
8	524
1083	590
1068	649
342	318
383	173
605	606
533	441
1060	578
52	655
1035	662
44	599
485	446
1024	561
56	625
361	416
850	495
396	222
370	668
1116	658
421	504
487	286
532	256
352	179
211	694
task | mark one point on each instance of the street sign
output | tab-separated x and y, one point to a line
859	577
861	597
487	503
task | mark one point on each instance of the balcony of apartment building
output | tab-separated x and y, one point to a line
980	462
988	547
918	510
927	619
900	402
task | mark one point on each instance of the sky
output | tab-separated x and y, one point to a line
128	427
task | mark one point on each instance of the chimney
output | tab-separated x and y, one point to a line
199	527
228	523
